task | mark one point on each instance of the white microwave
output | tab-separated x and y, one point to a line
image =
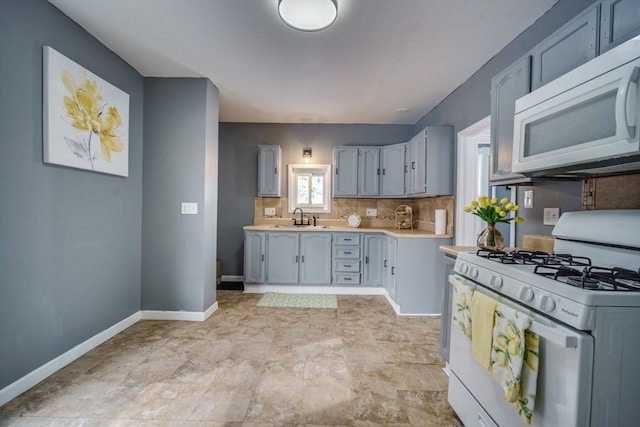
584	122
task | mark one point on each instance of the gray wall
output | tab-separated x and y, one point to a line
178	258
69	239
471	102
238	165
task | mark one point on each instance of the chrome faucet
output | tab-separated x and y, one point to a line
301	216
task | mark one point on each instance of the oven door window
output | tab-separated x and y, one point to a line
564	376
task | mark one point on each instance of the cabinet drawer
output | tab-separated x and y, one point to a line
348	266
346	239
347	252
348	279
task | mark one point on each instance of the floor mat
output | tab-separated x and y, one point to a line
272	299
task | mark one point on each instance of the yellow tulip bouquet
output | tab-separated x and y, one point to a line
492	211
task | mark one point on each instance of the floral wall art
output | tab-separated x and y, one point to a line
86	119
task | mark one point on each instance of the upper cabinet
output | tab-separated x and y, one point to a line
430	162
393	169
506	87
619	21
572	45
357	172
269	165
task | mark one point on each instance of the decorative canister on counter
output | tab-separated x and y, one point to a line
404	217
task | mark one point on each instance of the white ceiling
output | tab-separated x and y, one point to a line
382	61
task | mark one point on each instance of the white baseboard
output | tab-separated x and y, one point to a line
34	377
325	290
191	316
233	278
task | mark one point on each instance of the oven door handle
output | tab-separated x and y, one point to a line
552	334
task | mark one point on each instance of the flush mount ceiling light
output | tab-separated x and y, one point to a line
308	15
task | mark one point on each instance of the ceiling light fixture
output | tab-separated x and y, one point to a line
308	15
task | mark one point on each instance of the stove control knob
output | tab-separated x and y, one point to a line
463	268
495	282
526	294
473	272
547	304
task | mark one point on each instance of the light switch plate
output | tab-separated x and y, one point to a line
269	211
372	212
551	216
189	208
528	199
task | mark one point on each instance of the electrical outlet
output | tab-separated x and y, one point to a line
189	208
528	199
372	212
269	211
551	216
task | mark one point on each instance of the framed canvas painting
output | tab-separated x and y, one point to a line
86	119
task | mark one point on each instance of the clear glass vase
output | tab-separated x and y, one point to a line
491	238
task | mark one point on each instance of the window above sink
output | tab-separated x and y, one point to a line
309	188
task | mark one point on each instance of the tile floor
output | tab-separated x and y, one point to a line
359	364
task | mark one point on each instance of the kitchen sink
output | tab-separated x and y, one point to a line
301	227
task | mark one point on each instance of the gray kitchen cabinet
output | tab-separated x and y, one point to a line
390	267
572	45
315	258
254	256
283	257
269	166
393	169
357	172
506	87
345	180
619	22
374	252
347	256
369	171
448	262
430	162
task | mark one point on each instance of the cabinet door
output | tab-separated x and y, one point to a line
417	164
393	169
445	321
374	259
282	258
391	267
369	172
438	168
506	87
315	258
345	181
572	45
269	170
619	21
254	257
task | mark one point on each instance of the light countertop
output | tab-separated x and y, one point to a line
342	229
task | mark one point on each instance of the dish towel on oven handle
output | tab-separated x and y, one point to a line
483	309
462	306
527	395
508	349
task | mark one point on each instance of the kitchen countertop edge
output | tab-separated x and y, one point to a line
394	232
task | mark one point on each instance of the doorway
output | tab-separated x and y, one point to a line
473	182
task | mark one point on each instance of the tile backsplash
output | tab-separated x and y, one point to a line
611	192
423	211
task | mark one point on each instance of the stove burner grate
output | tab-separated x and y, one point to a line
592	277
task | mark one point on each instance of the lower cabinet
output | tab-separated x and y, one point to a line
346	259
254	256
374	251
390	267
283	256
315	258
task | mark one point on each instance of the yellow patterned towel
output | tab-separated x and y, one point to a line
527	396
507	354
461	307
482	317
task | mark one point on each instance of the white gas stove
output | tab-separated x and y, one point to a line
584	299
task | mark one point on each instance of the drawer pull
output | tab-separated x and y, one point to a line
347	265
347	278
347	252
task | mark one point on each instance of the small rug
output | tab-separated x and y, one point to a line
272	299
